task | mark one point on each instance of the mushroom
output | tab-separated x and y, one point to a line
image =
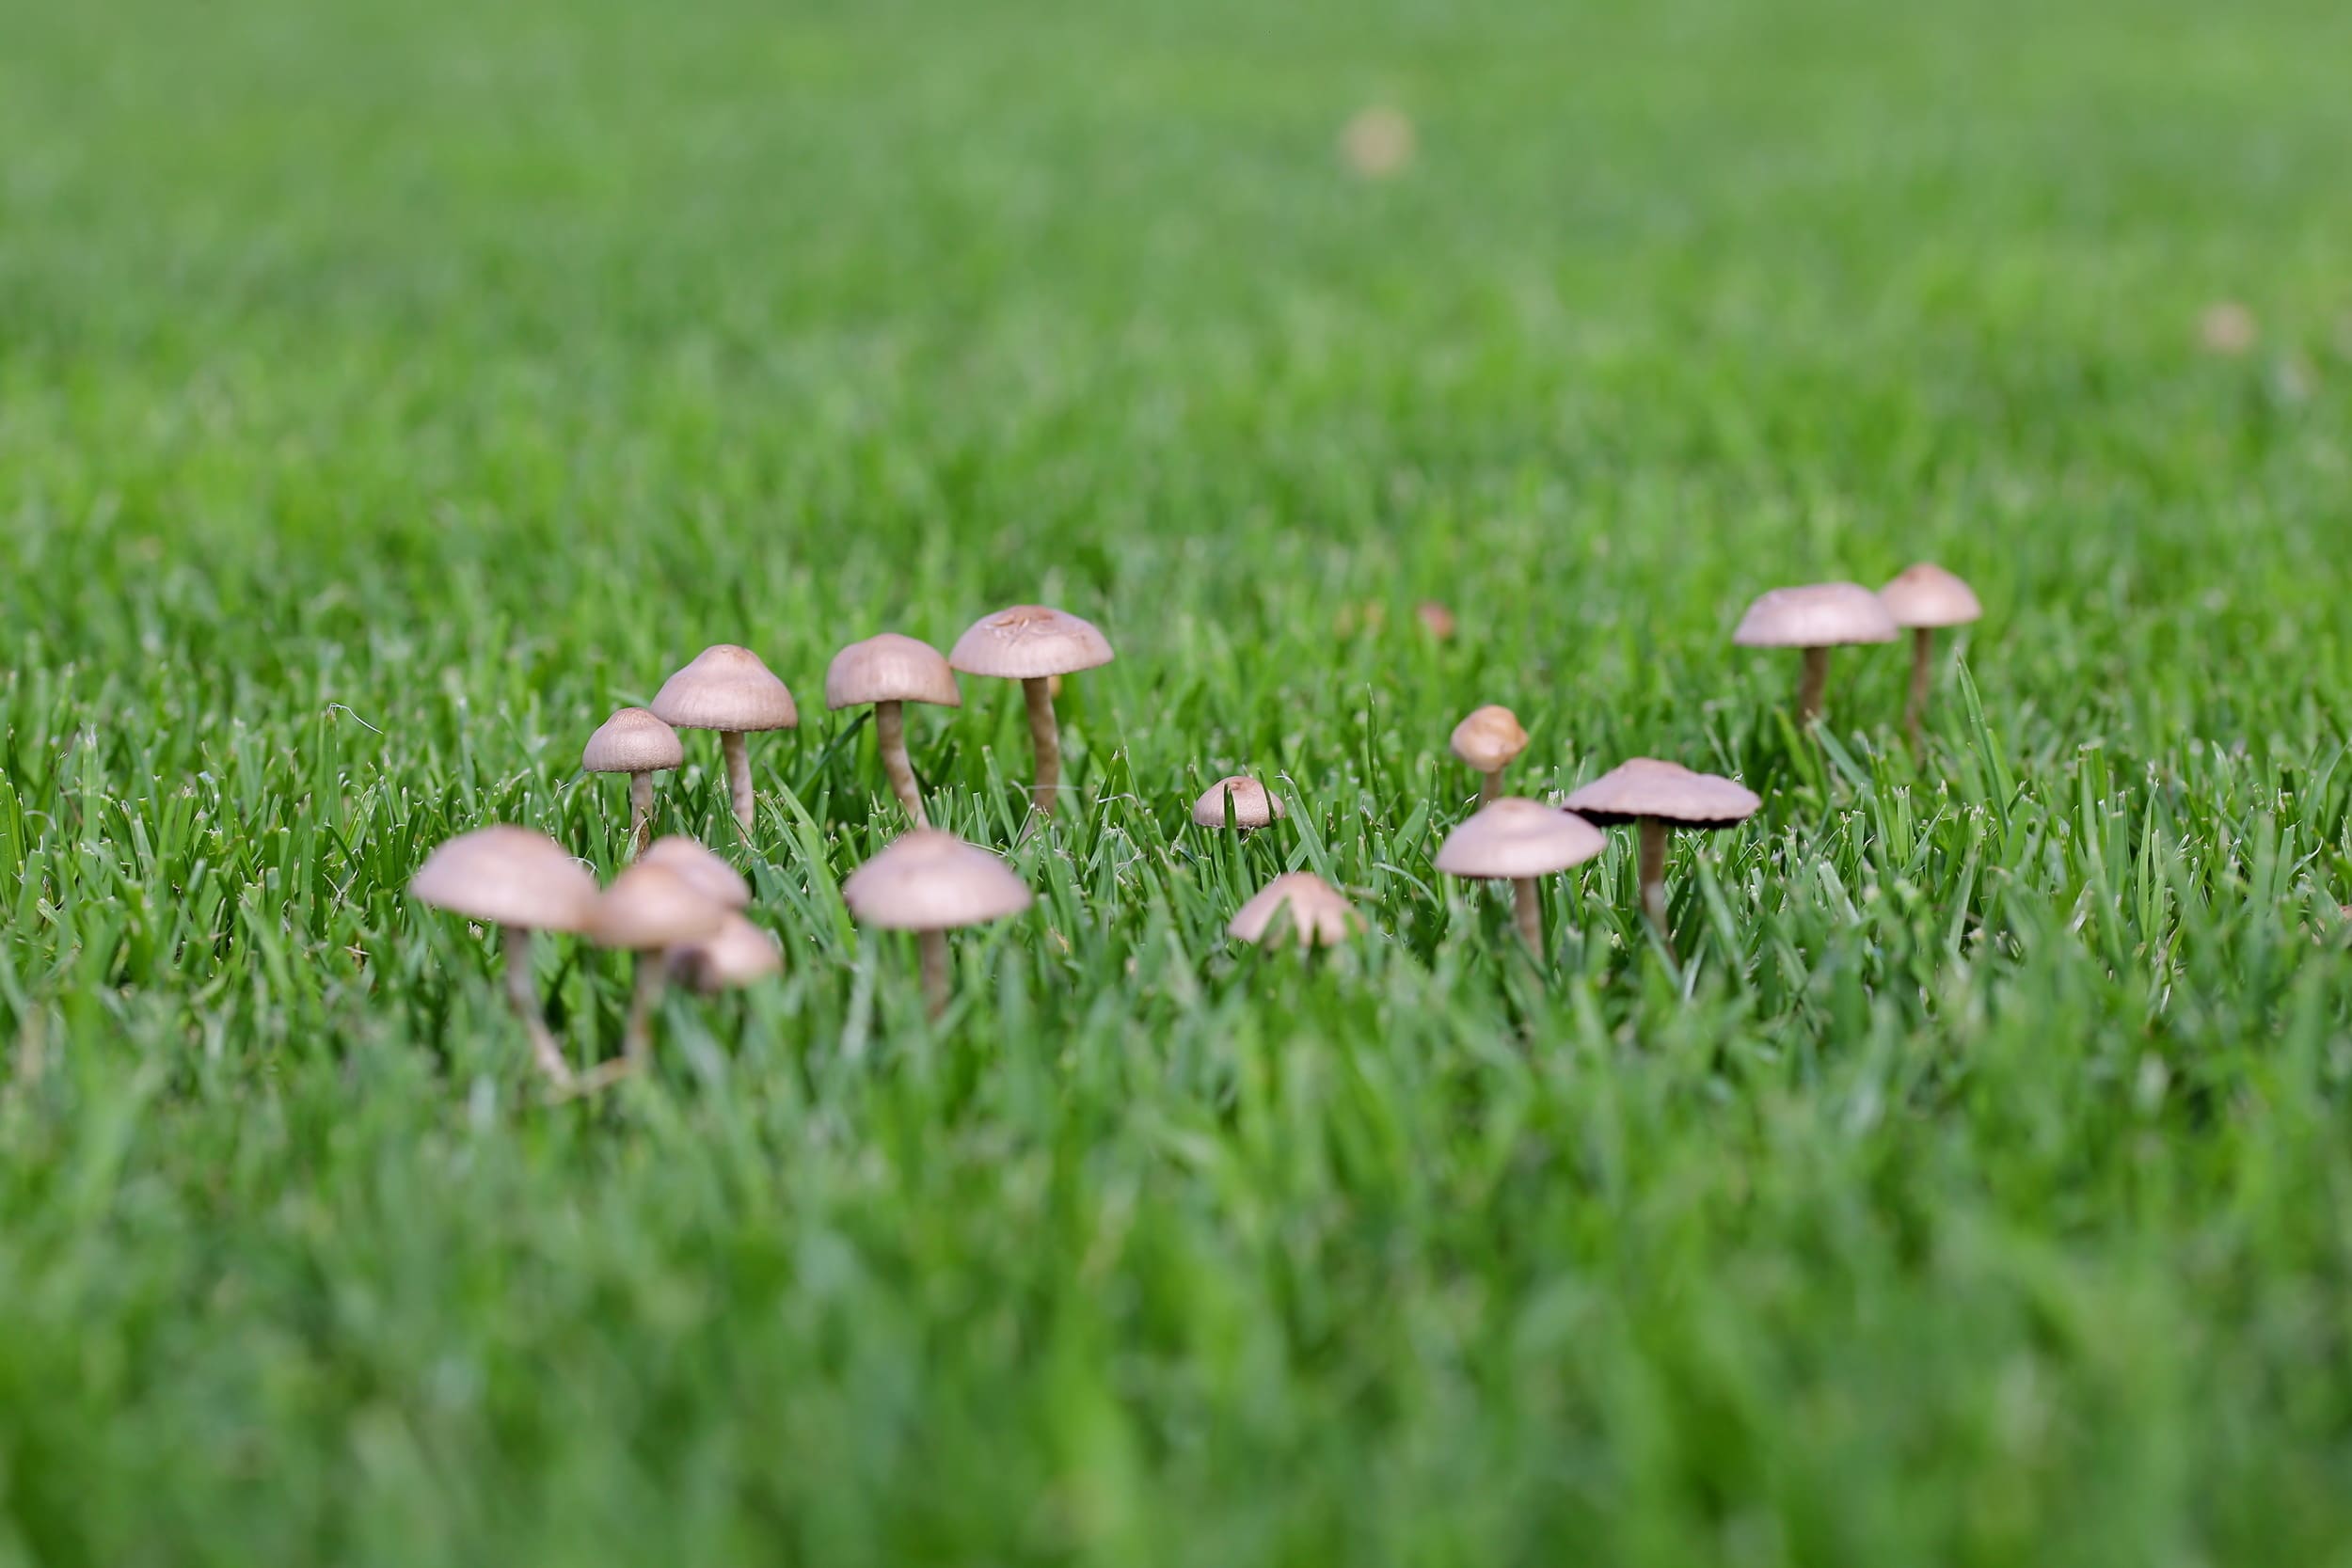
1253	805
1817	619
1489	740
729	689
649	910
1924	597
931	882
1312	913
523	882
738	954
1519	841
889	671
713	877
1657	796
1033	644
633	742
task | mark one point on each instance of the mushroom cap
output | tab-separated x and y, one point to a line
1029	641
508	877
1519	838
650	907
710	876
1928	595
1319	915
1667	791
632	741
1254	806
1825	616
737	953
890	669
1489	738
932	880
725	688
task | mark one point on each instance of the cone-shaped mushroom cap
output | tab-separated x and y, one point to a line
890	669
1519	838
1029	641
710	876
737	953
632	741
649	907
1665	791
1254	806
930	881
1928	595
725	688
1826	615
1489	738
508	877
1305	908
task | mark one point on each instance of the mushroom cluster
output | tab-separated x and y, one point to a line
1922	599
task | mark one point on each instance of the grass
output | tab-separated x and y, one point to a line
387	393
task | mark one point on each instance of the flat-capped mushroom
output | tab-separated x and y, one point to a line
523	882
1490	739
1925	599
732	690
1253	805
1033	644
1519	841
649	910
1300	907
931	882
738	954
889	671
1655	797
635	742
1818	618
713	877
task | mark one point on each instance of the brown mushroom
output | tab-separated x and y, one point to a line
1518	841
1300	906
633	742
1490	739
1253	805
931	882
1655	796
1816	619
729	689
889	671
738	954
649	910
1033	644
713	877
523	882
1924	598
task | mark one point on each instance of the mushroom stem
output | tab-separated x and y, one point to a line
1529	911
738	775
932	946
653	970
1922	667
890	735
1810	690
1654	873
523	992
1490	785
640	812
1045	739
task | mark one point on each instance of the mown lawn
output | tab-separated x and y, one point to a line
389	392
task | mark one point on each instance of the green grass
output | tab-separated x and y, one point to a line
388	392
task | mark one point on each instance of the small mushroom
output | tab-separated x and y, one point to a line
1300	906
931	882
1518	841
1490	739
648	910
1924	597
1816	619
729	689
889	671
1033	644
738	954
633	742
1436	619
713	877
1254	806
523	882
1658	795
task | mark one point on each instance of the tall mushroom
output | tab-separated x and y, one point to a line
633	742
1300	906
729	689
523	882
1519	841
1924	598
1033	644
1655	797
1490	739
1816	619
889	671
1252	804
649	910
713	877
931	882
